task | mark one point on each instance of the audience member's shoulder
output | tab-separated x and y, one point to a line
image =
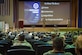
53	53
48	53
79	37
1	54
68	53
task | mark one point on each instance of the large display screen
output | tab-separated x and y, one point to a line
31	12
48	13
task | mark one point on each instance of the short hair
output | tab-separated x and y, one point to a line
74	38
21	37
78	45
53	35
58	43
79	42
80	33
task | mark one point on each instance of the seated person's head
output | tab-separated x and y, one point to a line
58	44
21	37
78	45
80	33
74	39
53	35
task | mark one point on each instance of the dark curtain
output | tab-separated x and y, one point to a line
80	14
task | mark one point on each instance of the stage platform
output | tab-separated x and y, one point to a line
49	29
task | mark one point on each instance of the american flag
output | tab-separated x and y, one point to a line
5	8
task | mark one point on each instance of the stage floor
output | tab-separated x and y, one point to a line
49	29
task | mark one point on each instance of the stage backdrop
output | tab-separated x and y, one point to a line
48	13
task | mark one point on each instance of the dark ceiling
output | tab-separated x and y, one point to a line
48	0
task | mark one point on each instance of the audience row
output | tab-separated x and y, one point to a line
56	42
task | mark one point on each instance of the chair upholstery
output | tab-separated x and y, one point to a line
71	50
2	49
20	52
42	49
20	47
80	50
4	46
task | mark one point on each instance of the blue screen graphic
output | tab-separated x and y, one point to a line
31	13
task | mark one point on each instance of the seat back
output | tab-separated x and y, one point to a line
43	48
80	50
2	49
72	50
20	52
20	47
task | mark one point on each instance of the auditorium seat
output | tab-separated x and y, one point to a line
4	46
72	50
2	49
41	43
42	49
20	52
36	44
80	51
69	42
20	47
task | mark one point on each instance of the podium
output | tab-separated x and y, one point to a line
20	24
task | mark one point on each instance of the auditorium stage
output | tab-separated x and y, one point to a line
49	29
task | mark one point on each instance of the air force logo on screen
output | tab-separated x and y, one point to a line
35	5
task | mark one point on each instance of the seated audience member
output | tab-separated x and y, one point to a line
36	37
58	48
52	37
78	45
80	33
21	41
18	33
72	45
28	35
3	38
74	39
63	38
41	37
